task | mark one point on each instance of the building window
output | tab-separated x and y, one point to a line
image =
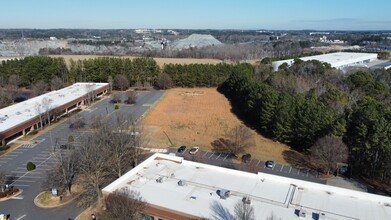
146	217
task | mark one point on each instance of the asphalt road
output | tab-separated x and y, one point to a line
39	152
254	165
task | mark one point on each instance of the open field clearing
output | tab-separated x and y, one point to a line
160	61
197	116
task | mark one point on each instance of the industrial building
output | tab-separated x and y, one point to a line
174	188
19	119
339	60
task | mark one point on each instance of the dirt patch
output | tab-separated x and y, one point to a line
197	116
159	61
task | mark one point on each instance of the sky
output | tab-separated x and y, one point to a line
198	14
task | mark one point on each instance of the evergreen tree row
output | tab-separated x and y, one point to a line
328	108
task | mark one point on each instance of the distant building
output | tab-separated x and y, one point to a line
175	188
339	60
19	119
53	38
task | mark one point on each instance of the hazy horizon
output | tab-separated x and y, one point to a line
351	15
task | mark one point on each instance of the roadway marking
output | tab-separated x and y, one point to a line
290	169
308	172
21	217
211	155
205	153
17	197
225	157
282	166
19	185
298	171
218	157
258	162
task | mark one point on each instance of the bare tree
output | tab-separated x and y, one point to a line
116	97
94	170
244	211
110	80
164	81
56	83
328	151
131	97
39	111
121	82
47	106
63	175
119	142
125	204
90	93
14	81
235	141
77	121
39	88
219	212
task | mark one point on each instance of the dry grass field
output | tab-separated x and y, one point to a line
197	116
160	61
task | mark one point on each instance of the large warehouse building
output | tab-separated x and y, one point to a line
19	119
338	60
174	188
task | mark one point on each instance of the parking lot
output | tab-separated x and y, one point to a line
255	165
40	152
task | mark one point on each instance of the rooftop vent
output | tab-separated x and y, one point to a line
246	200
160	179
322	216
302	213
223	193
181	183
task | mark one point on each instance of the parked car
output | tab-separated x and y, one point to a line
269	164
246	158
181	149
194	150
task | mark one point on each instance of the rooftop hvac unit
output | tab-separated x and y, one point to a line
302	213
322	216
159	180
246	200
224	193
181	183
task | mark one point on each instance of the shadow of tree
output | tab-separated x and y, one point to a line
296	159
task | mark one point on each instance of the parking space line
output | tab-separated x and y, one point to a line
211	155
27	181
258	162
282	166
273	167
225	157
298	171
19	185
290	169
308	172
218	157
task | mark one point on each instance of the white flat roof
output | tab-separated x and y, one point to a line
269	194
334	59
18	113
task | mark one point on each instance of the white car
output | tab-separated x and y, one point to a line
269	164
194	150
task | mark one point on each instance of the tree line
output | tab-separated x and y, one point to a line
41	74
311	102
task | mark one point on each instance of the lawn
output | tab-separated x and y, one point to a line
197	116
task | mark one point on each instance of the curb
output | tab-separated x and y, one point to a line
7	198
51	206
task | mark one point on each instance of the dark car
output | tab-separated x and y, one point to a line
246	158
181	149
269	164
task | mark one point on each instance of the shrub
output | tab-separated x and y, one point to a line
30	166
116	107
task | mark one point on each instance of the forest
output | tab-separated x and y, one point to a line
310	101
304	105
